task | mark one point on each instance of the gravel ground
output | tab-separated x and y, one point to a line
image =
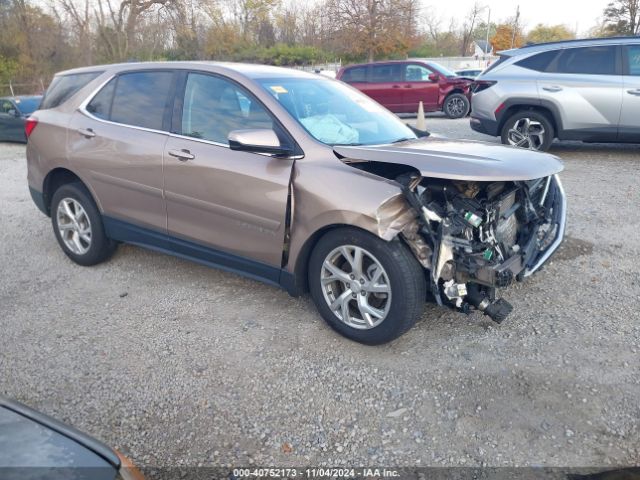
178	364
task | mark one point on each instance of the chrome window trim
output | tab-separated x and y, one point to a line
200	140
109	122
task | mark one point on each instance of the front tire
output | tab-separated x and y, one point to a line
456	105
77	225
528	129
368	290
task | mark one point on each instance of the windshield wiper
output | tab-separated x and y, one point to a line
404	139
354	144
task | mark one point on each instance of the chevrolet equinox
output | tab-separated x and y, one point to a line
293	179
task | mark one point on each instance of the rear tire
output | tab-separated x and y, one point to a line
373	317
456	105
528	129
77	225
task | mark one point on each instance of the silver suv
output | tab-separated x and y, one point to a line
586	90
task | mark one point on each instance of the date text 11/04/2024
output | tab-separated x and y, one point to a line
315	473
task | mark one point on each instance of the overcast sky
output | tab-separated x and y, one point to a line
583	13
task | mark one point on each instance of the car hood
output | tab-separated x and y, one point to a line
458	159
460	80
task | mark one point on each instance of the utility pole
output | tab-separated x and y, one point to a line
515	26
486	48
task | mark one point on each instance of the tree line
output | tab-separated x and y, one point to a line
38	40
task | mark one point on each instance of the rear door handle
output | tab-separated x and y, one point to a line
634	92
552	88
86	132
395	86
182	155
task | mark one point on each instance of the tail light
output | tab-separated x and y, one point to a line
480	85
499	109
30	125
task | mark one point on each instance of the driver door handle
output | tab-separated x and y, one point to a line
182	155
634	92
86	132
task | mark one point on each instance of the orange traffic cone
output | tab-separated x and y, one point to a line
421	122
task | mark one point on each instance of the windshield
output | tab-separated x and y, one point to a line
442	70
28	105
336	114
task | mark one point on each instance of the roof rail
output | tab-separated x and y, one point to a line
576	40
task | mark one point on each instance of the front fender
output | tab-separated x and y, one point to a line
329	194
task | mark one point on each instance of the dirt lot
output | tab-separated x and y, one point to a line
177	364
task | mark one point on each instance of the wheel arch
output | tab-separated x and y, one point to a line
55	179
301	267
455	90
543	107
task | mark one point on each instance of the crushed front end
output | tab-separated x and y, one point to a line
475	237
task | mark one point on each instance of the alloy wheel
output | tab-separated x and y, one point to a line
356	287
455	107
74	226
526	133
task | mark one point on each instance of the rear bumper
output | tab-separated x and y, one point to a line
38	199
483	125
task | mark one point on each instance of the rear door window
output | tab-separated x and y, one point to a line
599	60
64	87
386	73
632	57
355	74
140	99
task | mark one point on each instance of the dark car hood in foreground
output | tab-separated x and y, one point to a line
35	446
459	159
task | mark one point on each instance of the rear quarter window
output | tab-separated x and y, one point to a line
64	87
539	62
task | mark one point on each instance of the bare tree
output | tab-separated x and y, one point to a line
250	14
469	26
373	26
117	24
79	16
622	17
287	24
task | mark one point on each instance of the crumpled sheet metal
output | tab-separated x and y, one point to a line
394	217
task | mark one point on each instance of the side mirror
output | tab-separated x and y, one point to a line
13	112
434	77
263	140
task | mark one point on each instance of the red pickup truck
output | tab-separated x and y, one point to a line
401	85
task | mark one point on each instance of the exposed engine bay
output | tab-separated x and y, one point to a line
474	237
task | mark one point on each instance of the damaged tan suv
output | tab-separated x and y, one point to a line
293	179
